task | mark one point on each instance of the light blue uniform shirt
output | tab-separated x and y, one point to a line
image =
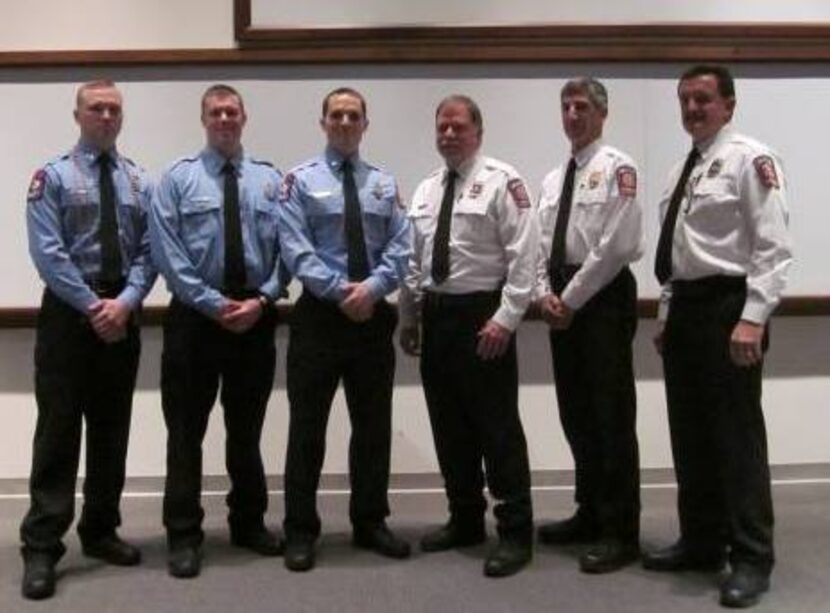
312	226
187	228
63	218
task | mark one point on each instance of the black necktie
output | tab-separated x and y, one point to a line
560	230
234	255
441	244
108	228
358	262
662	262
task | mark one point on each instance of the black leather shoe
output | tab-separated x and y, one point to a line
262	541
38	576
184	562
608	555
744	587
575	529
112	550
679	557
299	554
507	558
451	535
379	538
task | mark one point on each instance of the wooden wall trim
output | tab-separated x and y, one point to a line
684	42
628	43
794	306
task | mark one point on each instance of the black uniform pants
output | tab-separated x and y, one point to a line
474	411
592	365
717	425
197	354
325	347
78	377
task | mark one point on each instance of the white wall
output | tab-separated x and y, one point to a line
35	106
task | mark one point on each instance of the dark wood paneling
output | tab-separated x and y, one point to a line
795	306
636	43
686	42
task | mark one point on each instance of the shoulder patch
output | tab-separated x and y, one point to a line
765	168
286	187
37	185
627	181
517	189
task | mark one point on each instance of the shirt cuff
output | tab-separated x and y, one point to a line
507	318
131	297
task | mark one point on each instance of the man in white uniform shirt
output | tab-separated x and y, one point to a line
722	258
469	283
591	224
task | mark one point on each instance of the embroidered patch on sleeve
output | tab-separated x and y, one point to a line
518	190
286	187
37	185
765	168
627	181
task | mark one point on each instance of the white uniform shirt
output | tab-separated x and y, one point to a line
733	221
605	229
494	238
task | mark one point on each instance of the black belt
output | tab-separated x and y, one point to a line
707	286
241	294
436	300
106	289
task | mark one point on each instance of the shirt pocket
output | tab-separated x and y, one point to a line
589	215
265	227
713	204
324	214
469	219
201	224
80	211
377	216
132	224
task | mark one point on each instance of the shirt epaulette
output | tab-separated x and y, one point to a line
262	163
130	162
59	158
182	160
755	147
494	165
308	164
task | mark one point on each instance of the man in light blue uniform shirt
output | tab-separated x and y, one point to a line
344	236
214	236
87	224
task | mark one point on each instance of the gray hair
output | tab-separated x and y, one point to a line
590	87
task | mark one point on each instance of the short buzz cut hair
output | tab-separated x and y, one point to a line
469	104
590	87
96	84
220	90
726	83
344	91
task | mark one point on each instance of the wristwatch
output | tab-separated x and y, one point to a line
265	301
